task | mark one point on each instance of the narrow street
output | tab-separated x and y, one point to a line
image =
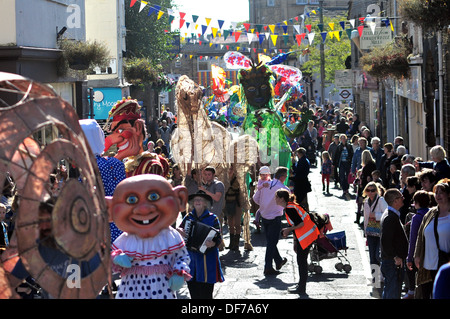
243	271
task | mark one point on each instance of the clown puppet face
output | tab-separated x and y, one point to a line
128	136
145	204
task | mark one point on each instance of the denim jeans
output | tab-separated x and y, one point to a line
272	229
374	249
344	170
393	278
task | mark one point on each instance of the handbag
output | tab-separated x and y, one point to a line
443	257
373	227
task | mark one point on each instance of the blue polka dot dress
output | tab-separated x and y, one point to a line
112	171
155	260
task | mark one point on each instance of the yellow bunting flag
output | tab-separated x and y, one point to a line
331	25
274	38
208	21
160	13
272	28
214	31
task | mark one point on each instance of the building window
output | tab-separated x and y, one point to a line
301	1
203	66
271	3
314	1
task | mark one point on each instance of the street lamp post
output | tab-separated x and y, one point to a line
322	59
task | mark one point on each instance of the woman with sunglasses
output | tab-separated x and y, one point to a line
374	206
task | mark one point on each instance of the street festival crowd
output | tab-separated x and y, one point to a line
401	203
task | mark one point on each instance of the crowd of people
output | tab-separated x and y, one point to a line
403	202
394	191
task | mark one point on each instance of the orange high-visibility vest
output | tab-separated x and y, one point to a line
307	234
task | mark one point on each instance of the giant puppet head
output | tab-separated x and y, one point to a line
146	204
126	128
256	85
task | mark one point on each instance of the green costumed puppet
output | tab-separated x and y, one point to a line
262	120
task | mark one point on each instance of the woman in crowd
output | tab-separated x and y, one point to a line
439	162
305	233
433	237
374	206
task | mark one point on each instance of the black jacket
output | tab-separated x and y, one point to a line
394	242
337	155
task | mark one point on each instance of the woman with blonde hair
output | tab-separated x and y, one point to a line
374	206
438	162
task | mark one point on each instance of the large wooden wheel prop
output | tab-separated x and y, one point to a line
80	227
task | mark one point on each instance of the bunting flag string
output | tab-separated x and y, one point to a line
189	24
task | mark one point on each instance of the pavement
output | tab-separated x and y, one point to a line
243	270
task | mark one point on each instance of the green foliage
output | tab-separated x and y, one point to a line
335	52
429	14
146	36
388	61
142	72
82	55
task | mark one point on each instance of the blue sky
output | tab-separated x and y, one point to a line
228	10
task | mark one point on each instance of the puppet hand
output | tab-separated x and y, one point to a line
123	260
176	282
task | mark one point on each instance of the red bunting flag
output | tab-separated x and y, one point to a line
308	26
181	23
237	34
132	3
360	30
247	26
182	14
298	37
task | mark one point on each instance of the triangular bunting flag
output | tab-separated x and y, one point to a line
233	25
308	27
272	28
349	33
297	28
286	38
337	35
132	3
226	33
392	26
214	31
181	23
143	4
261	38
274	37
342	23
160	13
352	22
259	27
285	27
331	25
194	18
324	36
311	37
220	23
320	26
246	26
360	30
372	25
298	37
237	34
208	21
182	14
204	27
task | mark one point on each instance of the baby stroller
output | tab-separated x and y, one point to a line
328	246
